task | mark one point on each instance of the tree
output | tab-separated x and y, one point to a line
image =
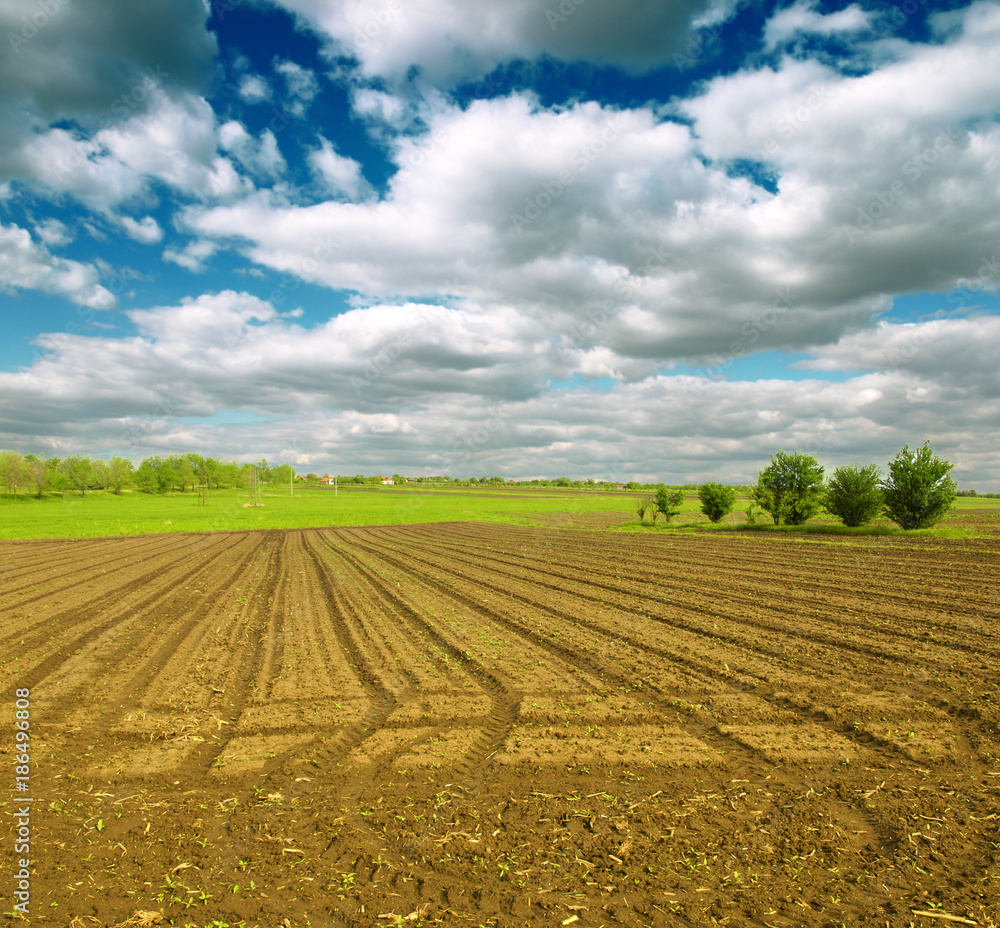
78	471
644	504
11	470
223	474
199	476
213	472
146	477
186	474
119	471
790	487
56	477
854	494
263	471
178	470
281	474
37	473
166	475
919	489
667	502
100	472
717	500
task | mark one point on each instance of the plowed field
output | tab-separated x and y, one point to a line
486	725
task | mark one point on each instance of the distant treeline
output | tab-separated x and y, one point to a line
497	481
33	474
37	474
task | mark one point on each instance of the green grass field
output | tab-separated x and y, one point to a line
133	513
100	514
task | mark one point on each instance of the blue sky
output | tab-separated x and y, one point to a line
593	237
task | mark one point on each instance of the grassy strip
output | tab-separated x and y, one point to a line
809	528
99	514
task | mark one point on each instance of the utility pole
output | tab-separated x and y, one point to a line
334	484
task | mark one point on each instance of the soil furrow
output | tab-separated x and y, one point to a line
507	726
101	614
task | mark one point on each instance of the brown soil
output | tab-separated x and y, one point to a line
487	725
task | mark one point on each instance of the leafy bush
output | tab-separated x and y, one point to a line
790	488
717	500
919	489
854	494
667	502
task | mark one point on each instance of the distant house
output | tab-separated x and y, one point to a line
327	480
388	482
619	486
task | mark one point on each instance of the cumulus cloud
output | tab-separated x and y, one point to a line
462	189
87	66
146	230
301	84
379	107
104	99
25	264
86	57
592	211
949	352
192	256
173	141
341	175
260	156
254	89
53	233
389	39
802	19
422	385
207	351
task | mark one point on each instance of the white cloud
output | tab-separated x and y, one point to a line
92	64
950	352
199	323
458	391
341	175
254	89
390	38
193	256
174	141
461	188
301	83
382	107
146	230
802	18
260	157
24	264
566	213
54	233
